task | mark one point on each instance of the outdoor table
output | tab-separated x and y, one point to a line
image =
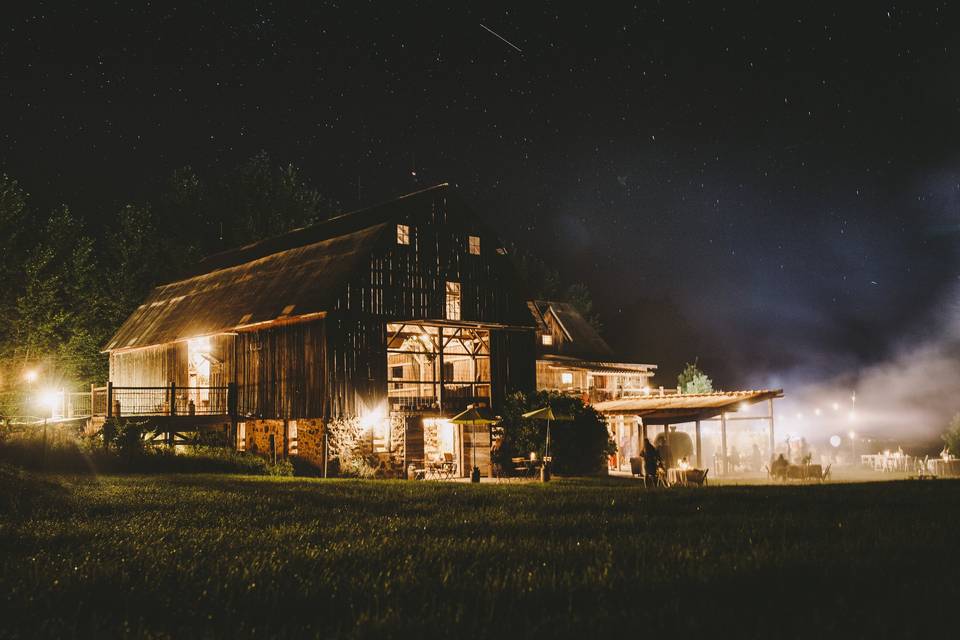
439	471
804	472
681	477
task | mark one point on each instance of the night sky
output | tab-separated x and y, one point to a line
772	188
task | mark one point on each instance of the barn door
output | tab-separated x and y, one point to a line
482	435
413	443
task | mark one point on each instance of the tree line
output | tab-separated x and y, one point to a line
68	282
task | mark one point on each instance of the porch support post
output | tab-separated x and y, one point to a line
666	446
770	419
699	450
439	375
723	442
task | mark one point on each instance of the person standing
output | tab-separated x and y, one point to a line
651	459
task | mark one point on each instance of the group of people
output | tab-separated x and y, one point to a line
737	462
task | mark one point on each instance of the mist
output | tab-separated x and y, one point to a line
909	396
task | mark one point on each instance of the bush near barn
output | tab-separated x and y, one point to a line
579	444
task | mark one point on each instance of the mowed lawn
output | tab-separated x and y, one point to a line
188	556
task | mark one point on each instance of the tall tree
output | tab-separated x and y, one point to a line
14	222
136	256
59	312
578	294
543	282
259	199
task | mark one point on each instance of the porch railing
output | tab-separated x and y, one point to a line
169	401
413	397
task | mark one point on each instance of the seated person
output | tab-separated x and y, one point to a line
778	468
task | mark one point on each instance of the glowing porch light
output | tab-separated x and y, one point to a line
374	418
49	400
30	375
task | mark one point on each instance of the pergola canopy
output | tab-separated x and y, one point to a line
675	408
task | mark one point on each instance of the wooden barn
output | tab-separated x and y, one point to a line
349	342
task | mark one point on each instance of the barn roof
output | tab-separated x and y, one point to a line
583	341
675	408
291	275
332	228
298	281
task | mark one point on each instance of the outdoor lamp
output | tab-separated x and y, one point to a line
30	375
49	400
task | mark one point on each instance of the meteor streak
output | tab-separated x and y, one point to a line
501	37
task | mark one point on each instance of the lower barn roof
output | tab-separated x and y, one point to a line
684	407
299	281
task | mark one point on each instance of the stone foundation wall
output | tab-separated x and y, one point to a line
350	447
258	437
310	441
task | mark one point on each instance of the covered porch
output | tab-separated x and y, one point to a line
632	420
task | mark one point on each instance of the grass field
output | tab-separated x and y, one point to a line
187	556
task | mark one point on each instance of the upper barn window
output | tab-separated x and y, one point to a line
474	245
453	301
403	234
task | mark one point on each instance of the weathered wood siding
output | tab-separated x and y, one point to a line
479	453
150	367
513	363
356	365
408	282
281	371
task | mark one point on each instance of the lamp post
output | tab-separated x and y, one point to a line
853	446
48	401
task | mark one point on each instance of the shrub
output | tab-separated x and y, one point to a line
579	445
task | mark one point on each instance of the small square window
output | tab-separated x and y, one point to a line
474	245
403	234
547	340
566	377
453	301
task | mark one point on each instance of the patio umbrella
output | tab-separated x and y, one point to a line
474	416
545	413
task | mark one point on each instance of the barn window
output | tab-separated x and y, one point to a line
414	374
566	377
474	242
453	300
547	340
403	234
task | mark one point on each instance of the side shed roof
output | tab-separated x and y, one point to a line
684	407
